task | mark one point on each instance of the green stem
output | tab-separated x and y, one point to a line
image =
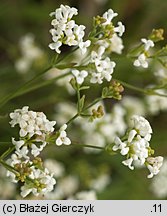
93	103
89	146
78	98
8	167
145	91
86	108
73	118
6	153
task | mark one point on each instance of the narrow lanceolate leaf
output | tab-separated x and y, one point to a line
81	103
84	88
74	84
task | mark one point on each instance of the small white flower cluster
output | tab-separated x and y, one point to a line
101	67
36	131
30	53
104	67
108	16
38	181
43	182
33	125
142	59
136	146
66	31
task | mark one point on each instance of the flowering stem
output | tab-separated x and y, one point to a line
145	91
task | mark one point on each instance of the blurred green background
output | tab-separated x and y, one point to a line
17	18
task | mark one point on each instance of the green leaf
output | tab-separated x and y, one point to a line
74	84
81	103
65	66
84	87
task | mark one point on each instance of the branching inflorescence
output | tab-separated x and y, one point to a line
95	67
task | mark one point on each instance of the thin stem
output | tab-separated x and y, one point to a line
73	118
6	153
89	146
145	91
86	108
8	167
78	98
93	103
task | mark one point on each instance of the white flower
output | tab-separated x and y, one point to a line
84	45
128	163
104	67
147	44
35	151
141	61
64	12
116	44
142	126
22	153
42	177
120	145
18	144
62	138
55	46
131	135
120	29
97	55
154	165
96	78
140	149
66	31
31	123
80	75
109	15
25	190
79	32
136	146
